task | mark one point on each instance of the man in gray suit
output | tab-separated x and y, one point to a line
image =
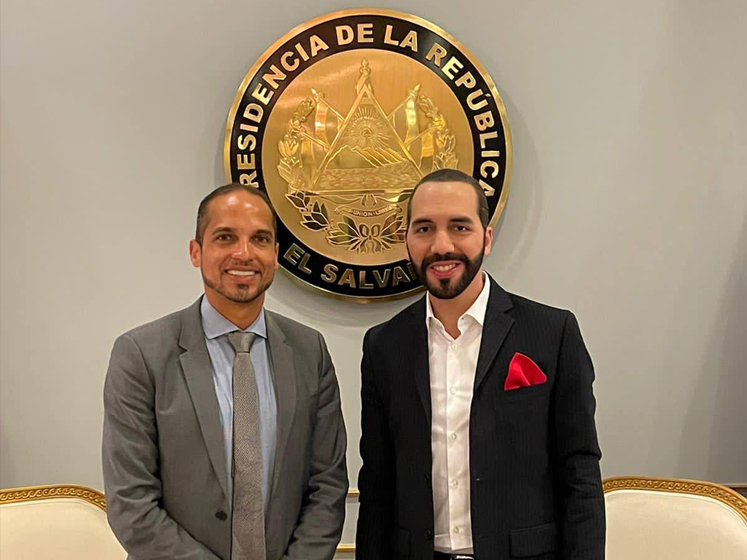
223	433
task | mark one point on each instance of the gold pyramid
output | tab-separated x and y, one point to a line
367	155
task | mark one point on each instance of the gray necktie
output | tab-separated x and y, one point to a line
248	525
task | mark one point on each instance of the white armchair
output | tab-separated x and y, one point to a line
671	519
59	522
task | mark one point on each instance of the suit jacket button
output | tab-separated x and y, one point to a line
428	535
220	514
427	479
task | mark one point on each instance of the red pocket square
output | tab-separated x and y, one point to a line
523	372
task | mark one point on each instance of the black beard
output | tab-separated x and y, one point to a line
443	289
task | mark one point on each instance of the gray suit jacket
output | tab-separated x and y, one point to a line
163	455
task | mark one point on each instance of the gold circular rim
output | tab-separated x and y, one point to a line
251	73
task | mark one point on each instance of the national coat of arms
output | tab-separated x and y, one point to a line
340	119
362	163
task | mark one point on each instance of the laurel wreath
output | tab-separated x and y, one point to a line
366	238
315	215
356	236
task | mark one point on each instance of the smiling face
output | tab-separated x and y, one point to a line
445	239
238	254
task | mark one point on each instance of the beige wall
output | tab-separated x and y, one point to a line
628	205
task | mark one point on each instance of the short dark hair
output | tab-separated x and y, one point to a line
202	211
455	176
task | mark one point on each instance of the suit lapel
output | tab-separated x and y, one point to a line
284	378
198	374
497	325
417	350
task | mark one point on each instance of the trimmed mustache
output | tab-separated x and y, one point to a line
438	257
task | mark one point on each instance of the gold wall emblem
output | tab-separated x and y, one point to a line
338	121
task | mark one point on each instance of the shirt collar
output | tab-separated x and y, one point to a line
477	310
214	324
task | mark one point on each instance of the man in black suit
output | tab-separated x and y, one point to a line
478	436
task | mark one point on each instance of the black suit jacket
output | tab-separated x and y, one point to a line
535	485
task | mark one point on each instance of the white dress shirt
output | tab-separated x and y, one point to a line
452	373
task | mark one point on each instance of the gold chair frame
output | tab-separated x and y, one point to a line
725	495
35	493
46	492
672	485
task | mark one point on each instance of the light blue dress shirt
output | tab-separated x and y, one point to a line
216	328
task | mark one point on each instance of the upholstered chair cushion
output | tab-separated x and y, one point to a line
650	524
56	529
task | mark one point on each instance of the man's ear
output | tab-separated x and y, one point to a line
195	253
488	240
